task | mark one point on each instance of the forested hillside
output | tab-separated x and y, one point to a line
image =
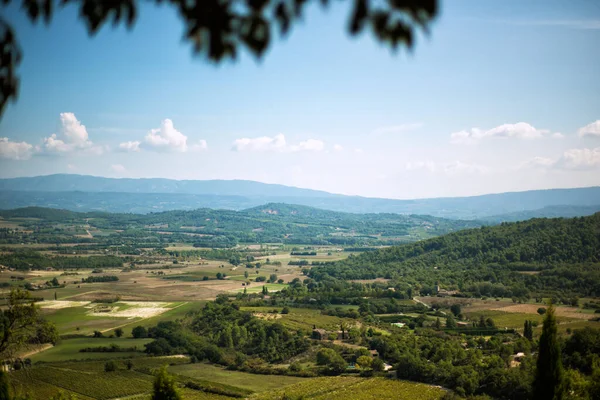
271	223
509	259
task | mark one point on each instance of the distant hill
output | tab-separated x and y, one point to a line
88	193
505	260
271	223
546	212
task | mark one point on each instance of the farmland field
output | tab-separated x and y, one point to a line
256	383
342	388
88	318
70	349
301	318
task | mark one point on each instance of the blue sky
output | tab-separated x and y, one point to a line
501	96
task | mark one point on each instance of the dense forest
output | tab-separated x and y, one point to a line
511	259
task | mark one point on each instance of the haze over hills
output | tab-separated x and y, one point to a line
90	193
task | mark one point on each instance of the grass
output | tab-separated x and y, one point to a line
256	383
574	325
69	349
272	287
67	320
38	390
176	312
513	320
341	388
99	385
302	318
87	380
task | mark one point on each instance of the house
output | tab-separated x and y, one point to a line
445	293
398	324
374	353
516	359
462	324
319	334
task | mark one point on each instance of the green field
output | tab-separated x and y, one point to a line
100	385
302	318
69	349
77	320
272	287
342	388
256	383
89	381
513	320
67	320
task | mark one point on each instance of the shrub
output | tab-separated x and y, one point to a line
139	332
110	366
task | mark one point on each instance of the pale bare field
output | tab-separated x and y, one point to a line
561	311
59	304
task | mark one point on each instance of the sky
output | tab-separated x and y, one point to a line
499	96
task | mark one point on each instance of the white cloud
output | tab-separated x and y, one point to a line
579	159
338	147
15	150
572	159
72	136
53	144
309	145
263	143
276	143
520	130
558	135
131	146
74	131
118	168
71	167
167	138
590	130
200	146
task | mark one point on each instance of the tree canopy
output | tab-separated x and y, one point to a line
21	325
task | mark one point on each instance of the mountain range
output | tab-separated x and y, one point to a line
90	193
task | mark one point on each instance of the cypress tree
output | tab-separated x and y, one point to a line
4	386
528	330
549	373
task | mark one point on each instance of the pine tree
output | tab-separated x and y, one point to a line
549	374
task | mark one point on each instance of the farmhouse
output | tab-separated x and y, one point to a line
445	293
319	334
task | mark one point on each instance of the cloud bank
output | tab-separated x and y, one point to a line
520	130
276	143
